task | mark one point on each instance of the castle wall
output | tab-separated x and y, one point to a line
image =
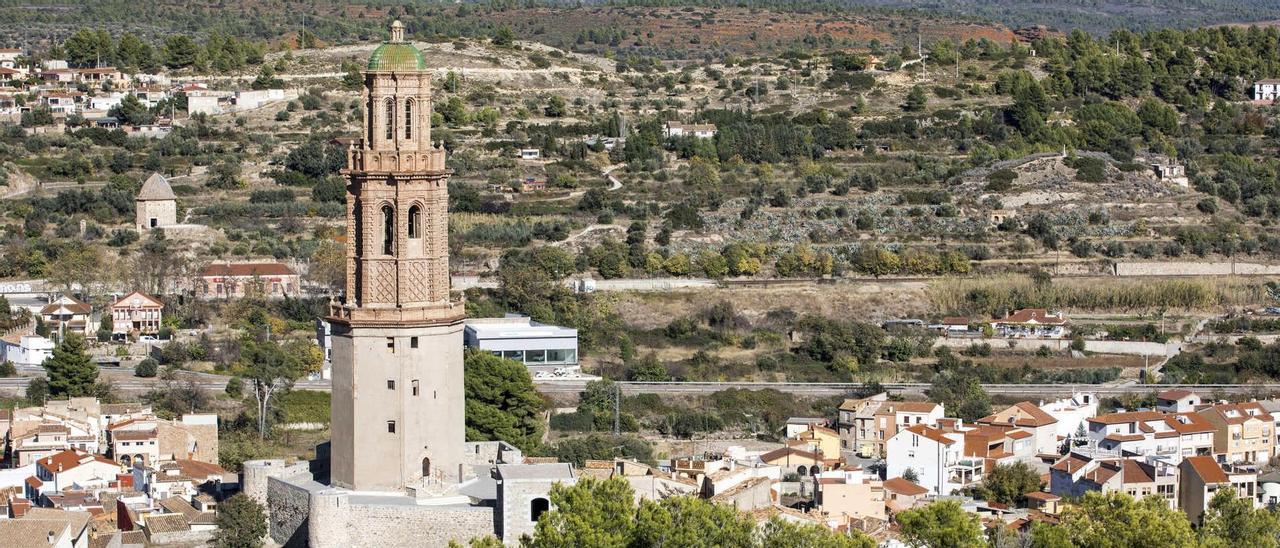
288	512
165	212
338	522
253	480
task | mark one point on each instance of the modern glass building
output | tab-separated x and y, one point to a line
521	339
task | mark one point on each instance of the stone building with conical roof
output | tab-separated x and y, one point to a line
156	205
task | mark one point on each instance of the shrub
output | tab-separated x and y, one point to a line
146	368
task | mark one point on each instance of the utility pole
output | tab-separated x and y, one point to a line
617	399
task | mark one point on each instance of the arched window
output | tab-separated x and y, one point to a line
813	470
388	230
408	118
802	470
537	507
426	465
390	120
124	459
415	221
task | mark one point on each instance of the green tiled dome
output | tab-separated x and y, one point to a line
397	56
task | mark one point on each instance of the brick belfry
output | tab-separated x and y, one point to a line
398	397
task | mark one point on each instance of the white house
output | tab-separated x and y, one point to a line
1032	323
1173	436
935	456
1072	412
677	129
530	154
1266	90
71	468
28	350
1027	417
9	57
1177	401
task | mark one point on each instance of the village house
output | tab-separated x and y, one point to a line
185	478
1243	432
136	314
1177	401
1072	413
25	350
134	442
530	184
799	461
676	129
26	447
1201	477
1031	323
998	445
1041	501
8	74
69	468
1079	473
796	425
866	424
1027	417
42	527
529	154
67	314
9	57
1173	436
156	204
646	481
239	280
936	457
955	326
849	493
1266	89
63	103
902	494
817	439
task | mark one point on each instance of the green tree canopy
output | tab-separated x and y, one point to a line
242	523
941	524
502	403
1233	521
71	372
1116	519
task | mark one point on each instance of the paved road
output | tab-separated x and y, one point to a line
835	389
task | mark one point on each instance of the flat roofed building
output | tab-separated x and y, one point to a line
524	340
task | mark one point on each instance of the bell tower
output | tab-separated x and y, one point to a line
398	398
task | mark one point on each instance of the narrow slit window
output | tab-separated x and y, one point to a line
390	120
413	342
408	119
391	344
415	387
388	230
415	221
391	427
391	384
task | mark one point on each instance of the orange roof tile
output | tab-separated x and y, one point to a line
904	486
1207	468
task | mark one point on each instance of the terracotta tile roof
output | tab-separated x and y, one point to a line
34	482
903	486
166	523
1175	394
1071	463
787	451
32	533
1127	416
72	304
930	433
1189	423
70	458
1018	434
1022	413
124	301
1135	472
1042	496
1238	413
246	270
1207	468
199	469
908	407
1033	315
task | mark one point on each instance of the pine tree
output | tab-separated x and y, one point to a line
71	372
241	523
